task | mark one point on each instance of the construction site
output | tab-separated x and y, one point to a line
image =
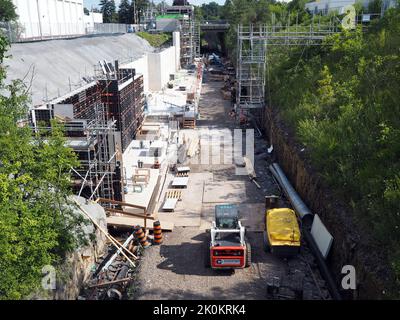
180	174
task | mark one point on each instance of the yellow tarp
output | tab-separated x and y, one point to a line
283	228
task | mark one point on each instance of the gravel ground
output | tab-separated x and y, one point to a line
176	269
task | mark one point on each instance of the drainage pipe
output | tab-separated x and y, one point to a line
307	217
294	198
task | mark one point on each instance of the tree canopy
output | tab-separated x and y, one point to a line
37	228
124	12
108	9
7	10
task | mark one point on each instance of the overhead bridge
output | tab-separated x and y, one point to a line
216	25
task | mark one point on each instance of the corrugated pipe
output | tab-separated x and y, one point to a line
307	218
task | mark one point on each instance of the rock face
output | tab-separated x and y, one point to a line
351	245
77	266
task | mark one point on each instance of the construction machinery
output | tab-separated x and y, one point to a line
228	248
282	231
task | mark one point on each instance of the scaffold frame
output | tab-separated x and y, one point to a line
252	48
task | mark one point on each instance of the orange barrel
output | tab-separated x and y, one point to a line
158	238
141	236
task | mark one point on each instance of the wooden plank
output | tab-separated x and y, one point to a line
131	222
180	182
130	213
124	204
110	283
170	204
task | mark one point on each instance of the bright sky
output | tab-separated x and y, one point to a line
90	3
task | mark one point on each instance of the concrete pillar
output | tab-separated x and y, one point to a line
176	41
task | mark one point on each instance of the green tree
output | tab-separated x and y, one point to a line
124	12
37	227
108	9
7	10
138	9
211	11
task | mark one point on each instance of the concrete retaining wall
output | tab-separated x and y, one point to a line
161	65
141	66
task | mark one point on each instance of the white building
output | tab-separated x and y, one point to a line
90	19
46	19
325	6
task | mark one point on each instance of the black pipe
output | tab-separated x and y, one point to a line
307	218
325	272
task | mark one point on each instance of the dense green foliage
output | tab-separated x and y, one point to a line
128	11
108	9
124	12
7	10
37	227
341	101
209	11
155	39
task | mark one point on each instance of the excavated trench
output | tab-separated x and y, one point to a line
351	245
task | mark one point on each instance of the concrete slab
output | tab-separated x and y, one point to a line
225	191
187	212
169	204
143	198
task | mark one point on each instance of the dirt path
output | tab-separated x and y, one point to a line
176	269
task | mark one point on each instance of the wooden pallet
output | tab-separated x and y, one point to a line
182	174
189	124
176	194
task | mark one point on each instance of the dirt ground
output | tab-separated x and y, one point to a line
176	269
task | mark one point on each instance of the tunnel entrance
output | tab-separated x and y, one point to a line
213	42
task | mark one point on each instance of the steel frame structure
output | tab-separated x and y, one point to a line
196	38
252	48
101	161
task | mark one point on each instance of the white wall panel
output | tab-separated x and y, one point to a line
50	18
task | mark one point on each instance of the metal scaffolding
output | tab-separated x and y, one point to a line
187	43
196	39
94	143
252	48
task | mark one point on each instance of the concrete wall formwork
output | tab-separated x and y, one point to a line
141	66
46	19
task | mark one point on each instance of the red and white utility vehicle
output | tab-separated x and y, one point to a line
228	248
